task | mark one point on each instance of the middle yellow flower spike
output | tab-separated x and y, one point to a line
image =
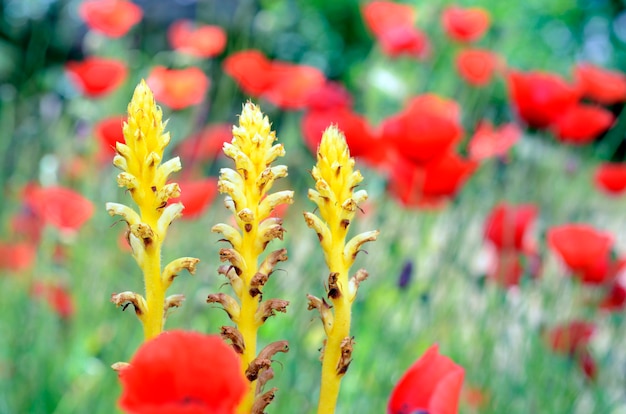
145	177
253	150
337	202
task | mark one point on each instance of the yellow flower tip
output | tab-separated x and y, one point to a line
334	172
145	122
254	136
333	145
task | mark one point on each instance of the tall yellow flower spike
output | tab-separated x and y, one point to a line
145	177
337	202
253	151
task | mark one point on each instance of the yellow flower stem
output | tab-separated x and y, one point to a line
155	292
331	380
247	324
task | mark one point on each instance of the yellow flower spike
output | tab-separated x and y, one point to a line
247	185
337	203
145	177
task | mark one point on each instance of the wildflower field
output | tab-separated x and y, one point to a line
239	206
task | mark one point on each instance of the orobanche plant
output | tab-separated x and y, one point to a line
247	186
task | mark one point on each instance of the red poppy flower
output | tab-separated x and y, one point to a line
429	185
56	296
611	178
381	16
405	40
573	339
604	86
96	76
113	18
26	225
488	142
477	66
196	196
581	124
181	372
207	144
109	131
251	70
506	268
393	25
474	397
203	41
425	130
178	88
292	84
507	225
615	299
540	97
284	84
570	338
465	24
60	207
330	95
432	384
584	250
16	257
360	136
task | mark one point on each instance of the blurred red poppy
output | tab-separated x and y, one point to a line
26	225
393	25
615	299
60	207
113	18
207	144
584	250
57	297
203	41
432	384
425	130
405	40
573	339
506	268
381	16
488	142
196	196
540	97
428	185
604	86
109	131
474	397
465	24
293	84
17	256
178	88
251	70
284	84
581	124
507	225
95	76
330	95
611	178
360	136
477	66
181	372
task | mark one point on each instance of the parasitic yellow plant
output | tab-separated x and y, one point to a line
145	177
247	187
337	202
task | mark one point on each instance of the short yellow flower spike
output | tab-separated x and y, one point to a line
145	178
337	202
253	150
